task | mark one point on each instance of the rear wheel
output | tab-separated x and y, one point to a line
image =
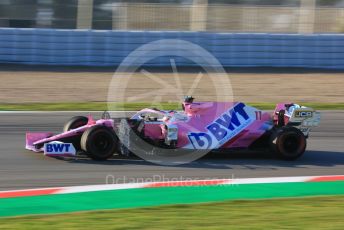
75	122
99	142
288	143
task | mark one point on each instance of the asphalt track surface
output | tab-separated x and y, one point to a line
20	168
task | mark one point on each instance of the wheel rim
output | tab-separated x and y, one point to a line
291	144
102	143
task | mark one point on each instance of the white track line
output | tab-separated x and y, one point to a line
214	182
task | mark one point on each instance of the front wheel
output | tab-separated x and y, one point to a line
75	122
288	143
99	142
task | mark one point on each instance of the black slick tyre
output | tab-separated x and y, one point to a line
288	143
99	142
75	122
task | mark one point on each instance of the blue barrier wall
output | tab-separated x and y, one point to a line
109	48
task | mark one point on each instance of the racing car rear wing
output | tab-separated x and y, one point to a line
307	116
301	116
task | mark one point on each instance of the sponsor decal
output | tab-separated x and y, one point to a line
304	130
224	128
59	149
258	115
303	113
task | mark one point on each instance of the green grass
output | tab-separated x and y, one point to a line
294	213
101	106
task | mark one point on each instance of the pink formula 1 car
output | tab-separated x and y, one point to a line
220	126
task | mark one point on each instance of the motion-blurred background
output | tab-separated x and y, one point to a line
273	50
276	16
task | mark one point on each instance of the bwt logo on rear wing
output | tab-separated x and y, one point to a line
59	149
